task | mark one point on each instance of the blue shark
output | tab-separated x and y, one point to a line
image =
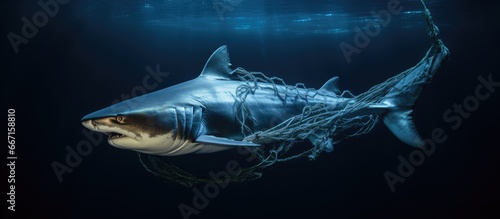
198	116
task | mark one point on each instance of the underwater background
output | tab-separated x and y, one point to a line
91	53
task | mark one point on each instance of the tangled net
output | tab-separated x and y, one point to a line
322	122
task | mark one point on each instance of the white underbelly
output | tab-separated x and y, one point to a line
195	148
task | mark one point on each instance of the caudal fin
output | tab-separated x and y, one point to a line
403	95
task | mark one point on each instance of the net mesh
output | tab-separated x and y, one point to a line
326	124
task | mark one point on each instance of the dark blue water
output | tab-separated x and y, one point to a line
91	53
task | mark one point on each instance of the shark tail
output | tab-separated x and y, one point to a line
401	97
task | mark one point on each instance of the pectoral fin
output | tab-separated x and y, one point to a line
210	139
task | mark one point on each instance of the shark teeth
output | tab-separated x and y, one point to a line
114	135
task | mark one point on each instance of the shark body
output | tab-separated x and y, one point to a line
198	116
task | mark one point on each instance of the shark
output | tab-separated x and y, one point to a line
198	116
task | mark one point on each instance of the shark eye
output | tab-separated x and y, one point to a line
120	119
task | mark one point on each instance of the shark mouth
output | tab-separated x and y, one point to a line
114	135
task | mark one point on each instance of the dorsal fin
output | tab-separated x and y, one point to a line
331	85
218	65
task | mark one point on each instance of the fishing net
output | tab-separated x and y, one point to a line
324	124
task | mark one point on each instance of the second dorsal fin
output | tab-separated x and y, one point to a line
331	85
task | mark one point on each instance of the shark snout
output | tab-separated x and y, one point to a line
109	126
96	124
89	124
98	120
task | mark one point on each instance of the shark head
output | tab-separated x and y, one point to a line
172	121
144	130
